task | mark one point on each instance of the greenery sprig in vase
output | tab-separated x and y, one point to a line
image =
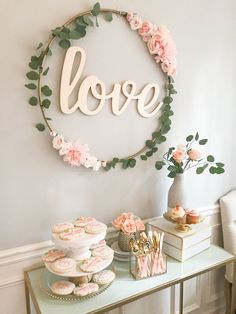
185	157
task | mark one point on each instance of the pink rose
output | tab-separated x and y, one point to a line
153	44
178	155
128	226
139	225
58	142
117	223
130	16
74	154
127	216
146	29
136	23
194	154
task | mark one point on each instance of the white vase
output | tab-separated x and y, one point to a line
177	192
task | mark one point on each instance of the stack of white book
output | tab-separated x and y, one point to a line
181	245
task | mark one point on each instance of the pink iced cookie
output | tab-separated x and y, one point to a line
99	244
95	227
104	277
62	287
63	265
103	251
86	289
53	255
71	235
92	264
83	221
62	227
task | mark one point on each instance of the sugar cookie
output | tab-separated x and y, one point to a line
95	227
53	255
86	289
63	265
72	234
62	287
103	251
99	244
62	227
92	264
83	221
104	277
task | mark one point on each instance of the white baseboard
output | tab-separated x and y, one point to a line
14	261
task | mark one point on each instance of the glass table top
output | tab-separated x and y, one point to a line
125	289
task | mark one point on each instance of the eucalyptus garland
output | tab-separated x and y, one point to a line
75	28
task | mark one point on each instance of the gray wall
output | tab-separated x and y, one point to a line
37	188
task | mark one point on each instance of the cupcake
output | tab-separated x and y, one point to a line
192	217
176	212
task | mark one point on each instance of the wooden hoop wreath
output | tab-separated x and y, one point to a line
37	66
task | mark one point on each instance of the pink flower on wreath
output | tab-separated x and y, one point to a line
74	153
58	142
139	225
136	23
194	154
130	16
178	155
129	226
146	29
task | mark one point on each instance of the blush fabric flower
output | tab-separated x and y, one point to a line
178	155
146	29
58	142
92	162
194	154
130	16
139	225
74	153
136	23
128	226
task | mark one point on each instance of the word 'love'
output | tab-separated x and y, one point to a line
96	87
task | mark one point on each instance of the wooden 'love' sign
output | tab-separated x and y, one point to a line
98	90
162	49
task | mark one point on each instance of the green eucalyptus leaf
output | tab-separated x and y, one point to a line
203	141
81	21
39	46
75	35
159	165
173	91
199	170
46	90
132	163
172	168
46	71
46	103
108	16
33	101
154	149
31	86
143	157
165	129
212	170
125	163
220	164
49	52
116	160
33	65
40	127
96	9
108	167
168	100
64	43
32	75
219	170
196	136
210	158
172	175
65	33
88	21
150	144
189	138
149	153
81	30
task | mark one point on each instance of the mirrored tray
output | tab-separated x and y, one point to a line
182	227
47	279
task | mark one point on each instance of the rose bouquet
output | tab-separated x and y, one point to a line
128	223
184	157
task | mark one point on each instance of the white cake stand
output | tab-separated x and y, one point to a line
78	248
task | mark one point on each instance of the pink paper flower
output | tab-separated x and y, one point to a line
74	153
58	142
136	23
194	154
139	225
146	29
128	226
178	155
130	16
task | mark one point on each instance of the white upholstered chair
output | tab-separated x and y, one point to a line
228	217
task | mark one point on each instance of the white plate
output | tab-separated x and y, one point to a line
118	251
77	272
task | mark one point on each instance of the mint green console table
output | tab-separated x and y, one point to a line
125	289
